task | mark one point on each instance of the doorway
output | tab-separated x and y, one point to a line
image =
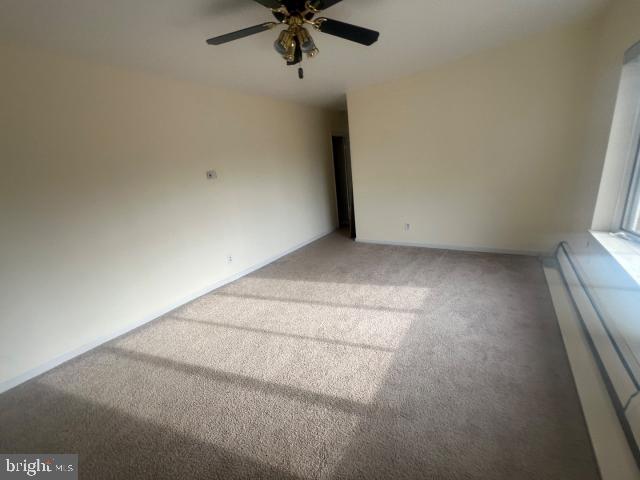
344	184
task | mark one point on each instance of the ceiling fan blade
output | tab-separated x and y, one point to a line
272	4
322	4
347	31
245	32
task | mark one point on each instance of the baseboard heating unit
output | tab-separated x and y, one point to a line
612	351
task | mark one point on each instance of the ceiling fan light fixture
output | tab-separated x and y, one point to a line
290	54
307	45
285	43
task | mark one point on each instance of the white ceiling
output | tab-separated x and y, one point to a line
168	36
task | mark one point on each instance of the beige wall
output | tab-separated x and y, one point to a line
106	216
478	154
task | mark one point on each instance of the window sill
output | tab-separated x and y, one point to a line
624	251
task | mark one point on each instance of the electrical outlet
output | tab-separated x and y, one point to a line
407	227
229	258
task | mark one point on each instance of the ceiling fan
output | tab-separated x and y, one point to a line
296	41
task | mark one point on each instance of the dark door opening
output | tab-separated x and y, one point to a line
344	185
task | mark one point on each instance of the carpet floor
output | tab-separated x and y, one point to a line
340	361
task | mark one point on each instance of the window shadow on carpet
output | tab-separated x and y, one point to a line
329	341
218	377
114	445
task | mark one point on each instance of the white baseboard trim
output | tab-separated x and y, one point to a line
457	248
34	372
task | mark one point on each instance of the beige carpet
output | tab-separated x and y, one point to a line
340	361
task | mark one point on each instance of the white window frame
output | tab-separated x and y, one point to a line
632	203
631	191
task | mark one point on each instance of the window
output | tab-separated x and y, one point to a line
629	128
631	221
